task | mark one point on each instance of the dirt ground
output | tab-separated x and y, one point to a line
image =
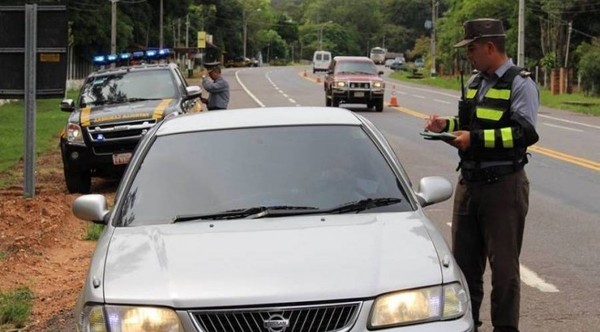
43	244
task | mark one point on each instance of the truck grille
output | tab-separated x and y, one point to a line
124	136
359	85
338	317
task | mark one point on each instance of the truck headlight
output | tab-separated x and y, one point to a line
74	133
419	305
340	84
126	319
378	85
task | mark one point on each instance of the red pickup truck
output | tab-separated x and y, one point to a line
354	80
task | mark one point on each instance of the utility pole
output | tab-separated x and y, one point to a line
568	43
434	5
160	33
521	38
187	30
245	23
113	30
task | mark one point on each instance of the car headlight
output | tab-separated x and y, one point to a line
419	305
340	84
125	319
74	133
378	85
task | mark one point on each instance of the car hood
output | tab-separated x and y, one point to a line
116	113
275	260
358	78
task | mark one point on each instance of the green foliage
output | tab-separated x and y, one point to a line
2	255
589	67
93	232
15	307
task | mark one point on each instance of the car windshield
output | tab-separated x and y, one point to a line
123	87
356	67
292	170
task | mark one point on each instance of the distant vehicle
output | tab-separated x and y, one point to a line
378	55
419	63
389	62
321	61
397	65
354	80
240	61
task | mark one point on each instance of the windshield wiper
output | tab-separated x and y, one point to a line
363	204
253	212
131	100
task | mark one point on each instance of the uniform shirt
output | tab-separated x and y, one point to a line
522	92
219	92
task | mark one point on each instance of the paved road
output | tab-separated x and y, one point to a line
560	265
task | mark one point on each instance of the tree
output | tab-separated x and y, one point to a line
589	67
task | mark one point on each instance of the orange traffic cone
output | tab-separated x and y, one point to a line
393	100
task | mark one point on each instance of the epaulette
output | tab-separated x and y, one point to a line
524	73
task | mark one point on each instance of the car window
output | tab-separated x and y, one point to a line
124	86
319	55
215	171
356	67
326	57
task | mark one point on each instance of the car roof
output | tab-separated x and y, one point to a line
352	58
258	117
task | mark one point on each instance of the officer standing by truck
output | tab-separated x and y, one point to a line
496	124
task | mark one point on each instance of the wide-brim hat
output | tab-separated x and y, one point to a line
481	28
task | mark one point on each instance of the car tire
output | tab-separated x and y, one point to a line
379	106
335	102
78	181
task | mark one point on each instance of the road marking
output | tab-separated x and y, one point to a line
590	164
568	121
531	278
562	127
237	77
442	101
419	96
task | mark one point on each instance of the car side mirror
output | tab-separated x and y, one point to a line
433	189
92	207
67	105
193	91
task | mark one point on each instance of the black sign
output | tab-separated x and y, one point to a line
51	50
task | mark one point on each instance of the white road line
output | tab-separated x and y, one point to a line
237	77
531	279
419	96
292	101
562	127
568	121
285	95
442	101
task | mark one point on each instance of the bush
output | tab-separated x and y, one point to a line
589	68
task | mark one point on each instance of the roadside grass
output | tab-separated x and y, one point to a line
15	308
2	255
49	122
93	232
575	102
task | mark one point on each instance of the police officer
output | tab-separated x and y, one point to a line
217	86
496	124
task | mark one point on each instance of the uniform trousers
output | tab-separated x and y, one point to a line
487	224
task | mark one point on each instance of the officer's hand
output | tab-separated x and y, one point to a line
435	123
462	140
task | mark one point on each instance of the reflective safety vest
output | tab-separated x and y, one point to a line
498	134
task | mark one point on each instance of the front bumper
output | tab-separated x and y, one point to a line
358	96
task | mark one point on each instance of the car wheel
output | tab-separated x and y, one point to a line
370	106
379	106
78	181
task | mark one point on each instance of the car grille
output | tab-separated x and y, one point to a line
121	137
359	85
338	317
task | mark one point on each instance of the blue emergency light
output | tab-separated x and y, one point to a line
99	59
111	58
124	56
151	53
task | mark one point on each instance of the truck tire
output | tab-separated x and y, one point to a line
335	102
379	106
327	101
78	181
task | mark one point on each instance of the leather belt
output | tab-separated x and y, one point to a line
489	174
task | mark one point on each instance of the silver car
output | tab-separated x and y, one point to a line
276	220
